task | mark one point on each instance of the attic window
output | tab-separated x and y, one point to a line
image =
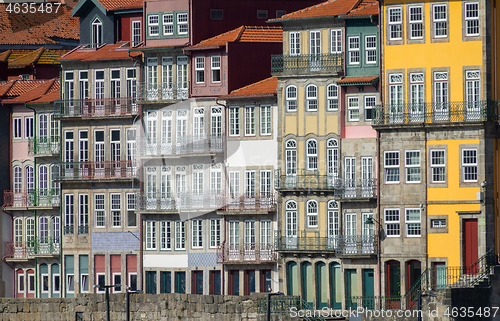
280	13
261	14
216	14
96	31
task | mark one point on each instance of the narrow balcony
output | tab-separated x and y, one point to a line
248	204
248	253
97	108
107	170
156	202
44	198
44	146
183	146
341	246
341	188
436	113
15	199
37	247
286	65
169	92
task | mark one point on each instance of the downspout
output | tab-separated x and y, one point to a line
226	174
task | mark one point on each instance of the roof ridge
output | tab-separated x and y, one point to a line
357	3
367	6
251	85
40	51
238	37
303	10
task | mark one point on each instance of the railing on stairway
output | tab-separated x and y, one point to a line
281	304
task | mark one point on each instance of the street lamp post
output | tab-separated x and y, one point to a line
269	295
370	221
128	291
107	287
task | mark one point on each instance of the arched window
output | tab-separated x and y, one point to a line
96	31
43	177
312	154
30	230
44	229
292	274
333	223
30	180
332	97
291	224
291	157
54	174
307	282
312	98
312	214
291	98
332	159
321	285
55	230
414	270
18	232
18	179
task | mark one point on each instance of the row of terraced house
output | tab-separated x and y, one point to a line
330	150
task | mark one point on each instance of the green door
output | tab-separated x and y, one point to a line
368	289
351	288
307	283
322	285
335	286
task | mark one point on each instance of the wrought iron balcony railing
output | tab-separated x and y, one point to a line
44	198
15	199
342	188
305	64
103	107
164	92
435	113
156	202
83	229
30	249
68	229
345	245
374	302
246	253
106	170
44	146
183	146
262	202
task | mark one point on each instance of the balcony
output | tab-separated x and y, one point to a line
44	146
285	65
342	188
32	198
107	170
15	199
258	204
37	247
205	201
246	253
187	145
436	113
343	245
97	108
164	92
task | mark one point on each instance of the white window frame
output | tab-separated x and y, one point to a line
168	24
182	23
265	120
81	283
472	165
438	23
312	154
391	170
117	289
471	17
30	286
371	49
215	64
199	68
151	236
437	166
291	98
100	209
332	97
68	276
115	209
336	41
44	275
17	128
415	19
416	223
165	235
312	98
83	81
180	235
354	50
250	122
234	121
410	168
370	103
99	289
136	31
215	232
153	25
352	108
54	276
395	31
392	225
312	214
97	32
434	223
197	234
294	43
21	282
29	128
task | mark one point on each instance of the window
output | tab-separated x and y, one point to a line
332	97
150	235
395	24
312	154
234	121
265	120
412	222
197	229
291	157
249	121
215	69
101	281
83	222
261	14
180	282
56	281
117	280
391	167
353	108
473	110
182	23
31	282
84	283
168	24
438	167
116	210
438	223
291	219
336	39
472	19
234	185
312	98
45	283
312	214
97	32
294	43
131	83
182	77
69	86
115	84
136	32
99	210
417	97
265	186
412	166
439	20
215	233
216	124
291	98
29	177
199	123
371	49
68	214
17	127
99	84
165	235
354	51
200	69
416	22
216	179
391	218
131	216
396	96
153	25
469	165
29	127
180	235
249	184
216	14
369	105
83	153
84	84
332	158
280	13
18	179
70	283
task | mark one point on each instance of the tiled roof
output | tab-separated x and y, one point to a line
27	91
364	9
122	4
366	80
48	98
106	52
5	87
4	56
20	87
41	56
242	34
330	8
266	87
20	28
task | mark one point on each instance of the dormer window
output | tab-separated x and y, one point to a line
96	31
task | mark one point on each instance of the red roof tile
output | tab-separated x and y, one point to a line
107	52
4	56
266	87
48	98
242	34
20	28
111	5
20	87
364	9
34	93
357	80
5	87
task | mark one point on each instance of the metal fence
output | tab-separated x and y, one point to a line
164	92
246	253
304	64
44	146
182	145
102	107
342	245
97	170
